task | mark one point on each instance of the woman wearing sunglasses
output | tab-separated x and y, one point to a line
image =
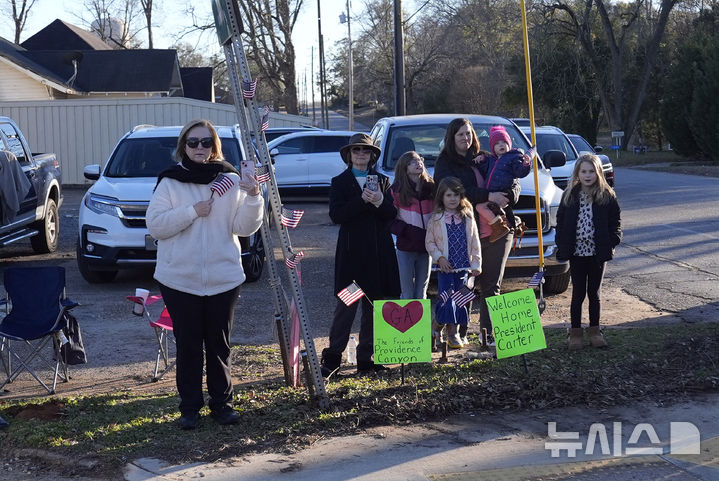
198	209
362	205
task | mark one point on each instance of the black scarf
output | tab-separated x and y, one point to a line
191	172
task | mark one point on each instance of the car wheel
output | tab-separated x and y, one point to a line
92	276
253	261
556	284
49	227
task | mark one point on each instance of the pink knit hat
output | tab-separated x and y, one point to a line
496	134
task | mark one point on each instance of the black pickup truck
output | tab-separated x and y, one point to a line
37	200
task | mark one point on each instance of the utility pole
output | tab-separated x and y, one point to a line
312	83
350	68
323	100
399	94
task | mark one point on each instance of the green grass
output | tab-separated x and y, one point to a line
645	363
629	159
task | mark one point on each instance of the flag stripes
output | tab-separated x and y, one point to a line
351	294
290	217
221	184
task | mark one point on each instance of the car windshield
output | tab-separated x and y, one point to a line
580	144
427	140
552	141
148	156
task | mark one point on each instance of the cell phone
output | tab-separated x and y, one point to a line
247	169
372	182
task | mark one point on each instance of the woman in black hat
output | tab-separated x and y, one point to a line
360	202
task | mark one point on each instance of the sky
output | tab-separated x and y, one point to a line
170	18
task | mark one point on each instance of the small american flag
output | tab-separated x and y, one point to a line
221	184
248	89
351	294
262	173
463	296
536	279
290	217
445	295
265	119
293	260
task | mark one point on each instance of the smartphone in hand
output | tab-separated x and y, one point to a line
372	182
247	170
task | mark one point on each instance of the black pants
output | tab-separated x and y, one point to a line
494	258
202	321
342	326
587	273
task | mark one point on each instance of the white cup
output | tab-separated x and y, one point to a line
138	310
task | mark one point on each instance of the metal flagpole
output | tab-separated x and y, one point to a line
229	29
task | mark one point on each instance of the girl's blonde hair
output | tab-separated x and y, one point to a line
600	192
401	178
455	185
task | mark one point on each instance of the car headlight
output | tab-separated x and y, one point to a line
102	205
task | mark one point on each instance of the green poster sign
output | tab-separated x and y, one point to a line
223	23
402	331
516	324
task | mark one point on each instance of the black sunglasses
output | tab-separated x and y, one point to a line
193	142
361	149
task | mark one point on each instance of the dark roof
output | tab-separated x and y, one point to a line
64	36
197	83
16	54
115	70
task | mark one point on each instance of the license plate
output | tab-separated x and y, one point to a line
150	243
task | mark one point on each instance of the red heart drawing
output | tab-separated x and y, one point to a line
402	318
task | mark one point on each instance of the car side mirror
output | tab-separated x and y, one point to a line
554	158
274	152
91	172
598	148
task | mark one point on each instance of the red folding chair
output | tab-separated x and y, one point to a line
162	326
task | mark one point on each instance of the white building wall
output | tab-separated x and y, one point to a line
85	131
15	85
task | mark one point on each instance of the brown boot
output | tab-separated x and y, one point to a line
576	338
596	339
499	230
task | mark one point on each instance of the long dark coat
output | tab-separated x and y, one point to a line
365	251
607	227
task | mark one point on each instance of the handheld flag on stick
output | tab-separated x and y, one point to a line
351	294
463	296
294	259
265	119
248	89
221	184
445	296
290	218
536	279
262	173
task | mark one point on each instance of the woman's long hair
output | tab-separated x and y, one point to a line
401	178
455	185
600	192
452	129
180	153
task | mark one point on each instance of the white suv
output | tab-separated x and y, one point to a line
113	234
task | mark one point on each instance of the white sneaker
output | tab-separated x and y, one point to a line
465	341
454	341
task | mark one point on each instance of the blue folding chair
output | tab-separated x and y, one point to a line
35	308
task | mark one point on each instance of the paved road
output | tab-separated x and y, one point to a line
669	256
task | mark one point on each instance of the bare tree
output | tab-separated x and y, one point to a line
268	33
113	21
19	11
631	33
147	11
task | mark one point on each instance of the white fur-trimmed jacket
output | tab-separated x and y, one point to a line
201	255
437	244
